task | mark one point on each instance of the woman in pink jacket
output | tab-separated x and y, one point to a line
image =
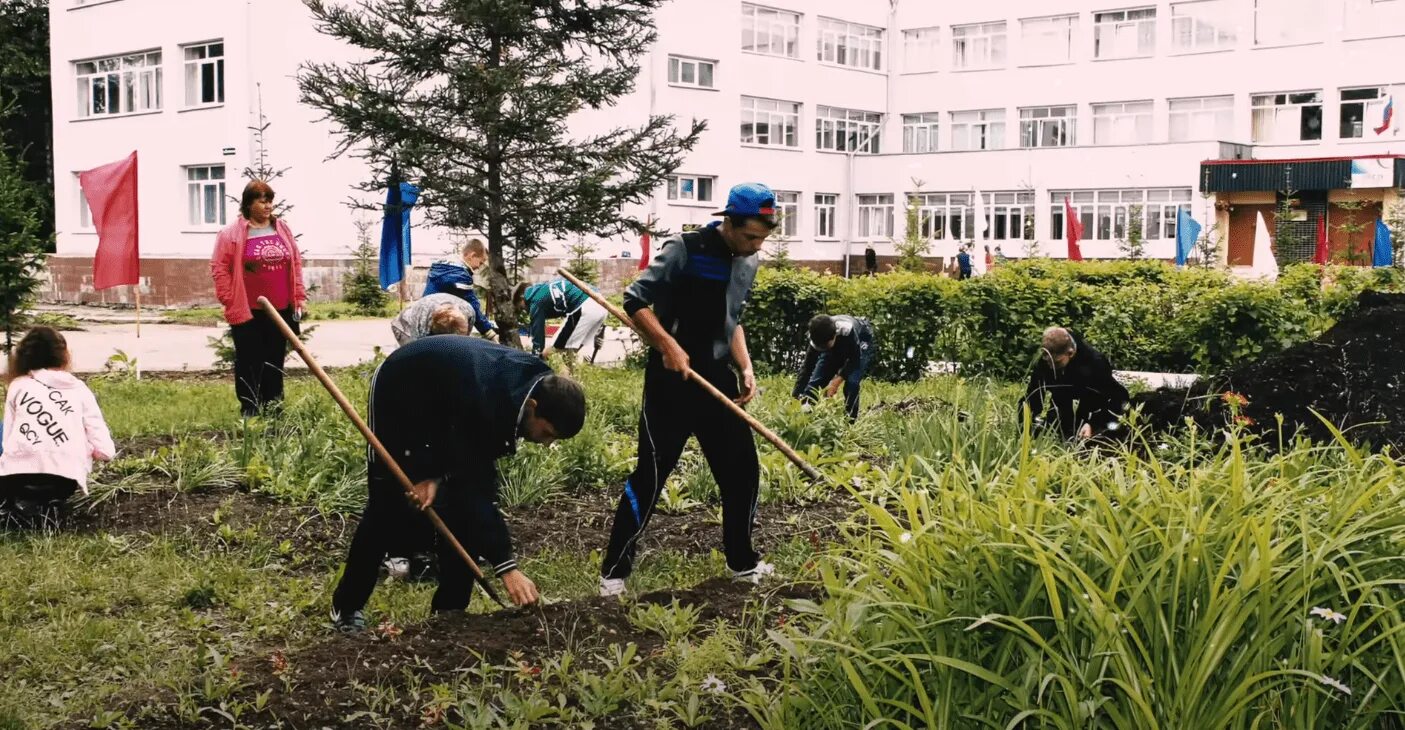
53	427
256	256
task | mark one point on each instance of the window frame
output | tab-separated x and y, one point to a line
1383	95
116	81
678	60
1006	212
848	40
1037	124
1200	113
879	208
788	205
848	127
826	211
786	20
1102	26
1106	212
790	128
198	64
924	126
673	189
992	129
1179	20
1071	32
1278	108
991	32
1288	32
198	191
1143	114
932	51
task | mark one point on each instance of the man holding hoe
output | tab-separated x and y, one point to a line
688	305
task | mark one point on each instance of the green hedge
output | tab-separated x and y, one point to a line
1146	315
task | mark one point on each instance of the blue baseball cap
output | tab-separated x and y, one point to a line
750	199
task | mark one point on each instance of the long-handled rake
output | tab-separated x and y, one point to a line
375	443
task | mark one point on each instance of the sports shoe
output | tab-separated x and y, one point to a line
611	587
350	623
397	568
762	571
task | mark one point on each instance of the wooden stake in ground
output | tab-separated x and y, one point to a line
375	443
689	374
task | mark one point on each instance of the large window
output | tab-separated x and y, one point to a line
204	74
1048	126
119	84
1047	41
695	72
205	195
1124	33
1205	25
875	216
847	130
1202	118
691	188
826	215
1127	122
953	215
770	122
1362	110
1284	22
978	130
851	44
1105	214
920	132
1292	117
978	46
770	31
788	204
920	48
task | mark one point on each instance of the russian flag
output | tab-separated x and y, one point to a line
1386	116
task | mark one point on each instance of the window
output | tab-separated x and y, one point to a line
1048	126
1287	117
847	130
1122	123
920	50
691	188
851	44
1281	22
119	84
1362	109
978	130
826	210
1203	118
1105	214
978	46
205	195
1202	26
1046	41
770	122
204	74
85	214
951	216
788	202
691	72
770	32
1124	33
875	216
920	132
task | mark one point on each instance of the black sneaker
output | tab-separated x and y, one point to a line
350	623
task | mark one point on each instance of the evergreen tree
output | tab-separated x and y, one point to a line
24	85
23	210
472	99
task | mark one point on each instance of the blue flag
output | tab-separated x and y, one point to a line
395	232
1383	255
1187	233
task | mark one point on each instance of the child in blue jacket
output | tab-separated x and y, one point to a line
447	278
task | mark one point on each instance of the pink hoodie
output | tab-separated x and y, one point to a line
53	426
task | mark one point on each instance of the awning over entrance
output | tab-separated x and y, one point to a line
1322	173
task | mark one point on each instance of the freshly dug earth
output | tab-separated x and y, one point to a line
1353	375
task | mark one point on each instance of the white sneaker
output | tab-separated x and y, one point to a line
398	568
762	571
611	587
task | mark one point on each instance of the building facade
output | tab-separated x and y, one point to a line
851	110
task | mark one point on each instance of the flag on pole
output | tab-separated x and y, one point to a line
1321	255
111	191
644	251
400	198
980	234
1187	233
1386	115
1265	266
1383	255
1073	231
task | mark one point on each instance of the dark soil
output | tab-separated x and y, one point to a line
1353	375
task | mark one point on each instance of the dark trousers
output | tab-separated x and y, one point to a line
675	409
821	367
259	352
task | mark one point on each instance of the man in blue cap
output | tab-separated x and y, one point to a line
688	303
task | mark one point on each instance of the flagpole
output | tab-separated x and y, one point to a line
136	289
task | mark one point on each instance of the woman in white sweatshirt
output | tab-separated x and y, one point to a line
53	428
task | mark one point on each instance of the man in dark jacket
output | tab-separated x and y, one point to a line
688	305
447	407
841	350
1069	370
448	278
963	263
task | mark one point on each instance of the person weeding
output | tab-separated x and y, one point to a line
1069	369
54	429
256	256
448	407
963	263
449	278
841	350
688	304
436	314
559	298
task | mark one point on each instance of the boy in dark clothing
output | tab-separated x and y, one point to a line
841	350
688	305
447	407
963	263
1069	369
447	278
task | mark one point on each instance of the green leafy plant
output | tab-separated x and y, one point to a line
361	286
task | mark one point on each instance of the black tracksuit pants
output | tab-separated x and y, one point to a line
674	410
259	352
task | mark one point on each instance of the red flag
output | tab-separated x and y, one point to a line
1074	231
644	255
111	191
1320	257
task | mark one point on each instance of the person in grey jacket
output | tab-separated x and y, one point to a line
435	314
688	304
